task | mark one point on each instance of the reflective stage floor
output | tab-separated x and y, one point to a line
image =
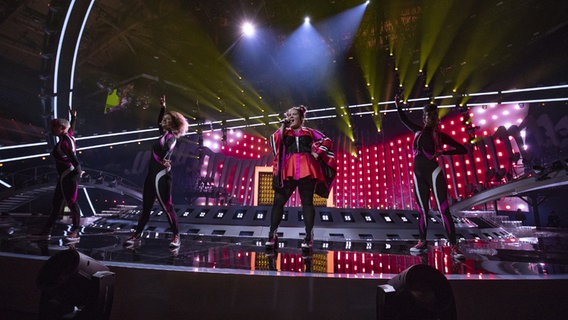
538	252
513	277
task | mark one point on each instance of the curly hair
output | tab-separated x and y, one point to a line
179	123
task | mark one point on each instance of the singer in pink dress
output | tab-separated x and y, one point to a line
303	159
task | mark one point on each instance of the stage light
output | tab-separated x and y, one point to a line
220	214
260	214
419	292
347	217
202	213
306	20
368	217
75	286
403	218
326	216
239	214
387	218
248	29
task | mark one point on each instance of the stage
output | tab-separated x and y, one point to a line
221	271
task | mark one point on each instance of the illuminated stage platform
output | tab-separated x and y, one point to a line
532	186
221	270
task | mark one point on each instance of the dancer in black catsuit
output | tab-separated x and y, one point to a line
158	183
428	175
69	170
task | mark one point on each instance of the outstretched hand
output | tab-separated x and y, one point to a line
163	101
72	111
397	102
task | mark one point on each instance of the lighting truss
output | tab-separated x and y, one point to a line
328	112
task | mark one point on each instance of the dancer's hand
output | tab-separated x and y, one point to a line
396	102
163	101
167	164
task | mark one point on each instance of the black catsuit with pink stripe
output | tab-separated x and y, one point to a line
68	169
428	175
158	183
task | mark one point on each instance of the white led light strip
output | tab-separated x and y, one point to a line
89	201
72	78
560	99
58	57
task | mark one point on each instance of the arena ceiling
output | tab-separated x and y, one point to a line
193	52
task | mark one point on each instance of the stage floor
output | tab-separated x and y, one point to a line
540	253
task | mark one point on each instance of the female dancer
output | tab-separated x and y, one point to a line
158	182
428	175
69	170
303	159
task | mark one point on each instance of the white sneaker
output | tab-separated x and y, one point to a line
72	236
132	240
176	241
420	247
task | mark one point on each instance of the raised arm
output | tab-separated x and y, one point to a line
403	118
73	113
162	112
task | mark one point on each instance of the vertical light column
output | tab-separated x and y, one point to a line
66	55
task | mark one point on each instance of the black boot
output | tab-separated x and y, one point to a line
307	253
271	250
